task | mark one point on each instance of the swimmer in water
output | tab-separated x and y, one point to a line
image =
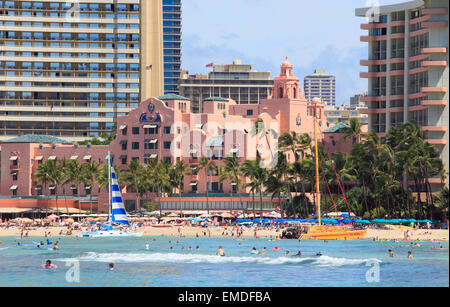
286	253
147	247
276	249
319	254
190	248
264	249
111	266
48	265
197	248
391	253
410	256
254	251
220	252
55	247
299	253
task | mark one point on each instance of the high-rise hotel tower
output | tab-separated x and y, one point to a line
69	68
408	68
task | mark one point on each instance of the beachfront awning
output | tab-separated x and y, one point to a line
123	127
199	126
150	126
233	183
51	188
153	156
234	150
153	141
215	141
193	151
87	157
38	158
13	158
13	187
14	173
51	158
73	157
123	142
13	210
193	184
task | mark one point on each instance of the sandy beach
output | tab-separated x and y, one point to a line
217	232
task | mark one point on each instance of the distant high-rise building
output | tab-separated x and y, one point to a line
236	81
357	100
68	69
408	69
321	85
172	45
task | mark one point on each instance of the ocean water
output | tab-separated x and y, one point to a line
344	263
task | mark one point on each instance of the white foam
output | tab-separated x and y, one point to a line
212	259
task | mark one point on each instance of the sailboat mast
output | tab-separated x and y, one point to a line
109	186
317	170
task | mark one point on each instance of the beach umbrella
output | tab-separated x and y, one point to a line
227	216
173	215
52	217
70	221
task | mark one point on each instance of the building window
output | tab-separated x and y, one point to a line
167	130
167	145
123	160
124	131
14	192
124	145
135	145
135	130
14	176
249	112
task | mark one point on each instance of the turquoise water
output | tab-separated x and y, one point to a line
344	263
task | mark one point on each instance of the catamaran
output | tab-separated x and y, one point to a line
325	232
117	215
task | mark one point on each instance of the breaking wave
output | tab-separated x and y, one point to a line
210	259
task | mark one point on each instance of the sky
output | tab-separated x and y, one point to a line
314	34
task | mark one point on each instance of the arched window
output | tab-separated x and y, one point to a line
294	93
280	92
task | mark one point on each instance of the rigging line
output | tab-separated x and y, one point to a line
337	176
328	187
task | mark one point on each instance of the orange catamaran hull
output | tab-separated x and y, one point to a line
334	233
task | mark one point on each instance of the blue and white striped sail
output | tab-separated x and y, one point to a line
118	212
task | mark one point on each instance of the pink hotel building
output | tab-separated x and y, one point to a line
164	128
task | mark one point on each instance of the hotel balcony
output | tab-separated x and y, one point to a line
436	89
371	38
417	108
434	103
381	74
374	111
434	63
434	129
437	142
435	24
434	50
435	11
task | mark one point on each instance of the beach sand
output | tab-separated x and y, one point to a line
217	232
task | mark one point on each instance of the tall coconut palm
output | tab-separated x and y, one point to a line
90	171
133	175
76	177
248	170
231	171
208	167
354	131
56	178
179	172
44	177
63	167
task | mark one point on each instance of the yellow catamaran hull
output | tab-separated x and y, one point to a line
334	233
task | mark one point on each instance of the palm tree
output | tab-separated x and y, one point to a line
231	171
76	177
56	178
90	172
248	170
44	177
354	131
179	171
64	171
258	177
208	167
134	176
161	175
